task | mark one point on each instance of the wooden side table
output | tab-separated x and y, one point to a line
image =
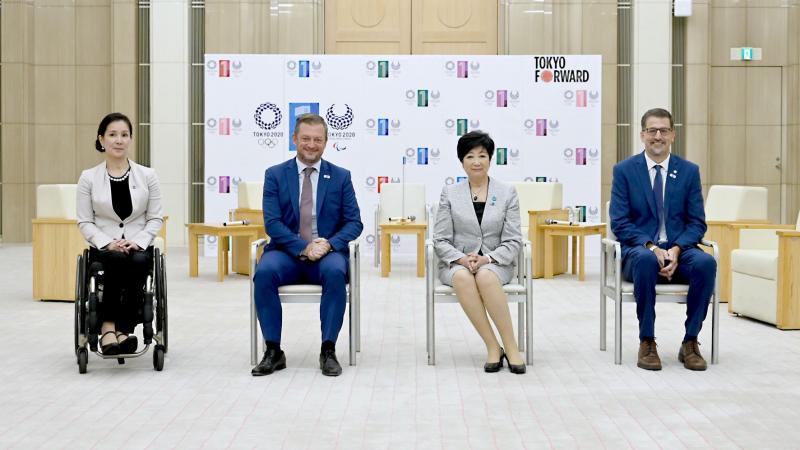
223	235
240	246
578	234
537	218
390	228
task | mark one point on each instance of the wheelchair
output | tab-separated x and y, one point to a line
89	293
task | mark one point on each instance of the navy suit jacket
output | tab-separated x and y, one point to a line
633	207
338	216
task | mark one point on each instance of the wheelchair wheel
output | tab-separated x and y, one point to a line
83	359
161	298
158	358
80	281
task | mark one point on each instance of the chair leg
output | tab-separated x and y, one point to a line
353	328
618	330
253	332
521	327
431	331
715	330
529	328
602	319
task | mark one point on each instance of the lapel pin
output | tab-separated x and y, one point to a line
673	176
326	176
494	199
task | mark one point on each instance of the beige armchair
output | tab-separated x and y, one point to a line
56	242
728	210
248	208
537	203
765	270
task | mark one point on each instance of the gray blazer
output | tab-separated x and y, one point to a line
457	231
97	220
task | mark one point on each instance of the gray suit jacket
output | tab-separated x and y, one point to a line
97	220
457	231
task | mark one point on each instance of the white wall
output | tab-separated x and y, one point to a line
169	106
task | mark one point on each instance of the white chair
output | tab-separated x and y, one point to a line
390	204
310	293
762	276
519	290
612	286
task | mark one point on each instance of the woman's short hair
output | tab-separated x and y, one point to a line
472	140
107	120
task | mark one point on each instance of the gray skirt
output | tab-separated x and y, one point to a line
504	273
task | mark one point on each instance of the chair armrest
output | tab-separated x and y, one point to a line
525	261
610	245
354	246
714	247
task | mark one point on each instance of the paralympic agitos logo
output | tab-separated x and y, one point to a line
553	69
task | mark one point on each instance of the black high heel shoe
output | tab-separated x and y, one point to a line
495	366
519	369
112	348
128	345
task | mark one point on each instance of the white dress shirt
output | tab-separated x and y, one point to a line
314	179
651	170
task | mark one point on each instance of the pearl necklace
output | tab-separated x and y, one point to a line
122	178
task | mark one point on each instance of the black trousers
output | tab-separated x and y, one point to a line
123	285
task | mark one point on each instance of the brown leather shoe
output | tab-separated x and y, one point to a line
648	356
690	356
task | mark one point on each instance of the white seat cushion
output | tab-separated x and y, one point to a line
661	289
507	288
757	263
57	201
250	194
731	203
300	289
538	197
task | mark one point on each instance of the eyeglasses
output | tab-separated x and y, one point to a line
654	131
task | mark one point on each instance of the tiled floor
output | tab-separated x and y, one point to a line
573	396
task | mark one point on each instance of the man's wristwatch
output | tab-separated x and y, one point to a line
650	245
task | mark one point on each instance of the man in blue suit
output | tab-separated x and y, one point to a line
310	215
658	216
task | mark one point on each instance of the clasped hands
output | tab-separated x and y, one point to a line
316	249
667	260
473	261
122	245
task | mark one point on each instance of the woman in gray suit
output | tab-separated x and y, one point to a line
477	238
119	214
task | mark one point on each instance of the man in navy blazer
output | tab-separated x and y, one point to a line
310	215
657	215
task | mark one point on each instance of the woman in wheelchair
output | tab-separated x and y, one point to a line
477	238
119	214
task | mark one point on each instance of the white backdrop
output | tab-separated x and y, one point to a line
543	113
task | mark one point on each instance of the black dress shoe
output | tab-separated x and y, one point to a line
519	369
111	348
129	345
273	360
329	364
492	367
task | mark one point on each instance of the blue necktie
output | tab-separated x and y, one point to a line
658	193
